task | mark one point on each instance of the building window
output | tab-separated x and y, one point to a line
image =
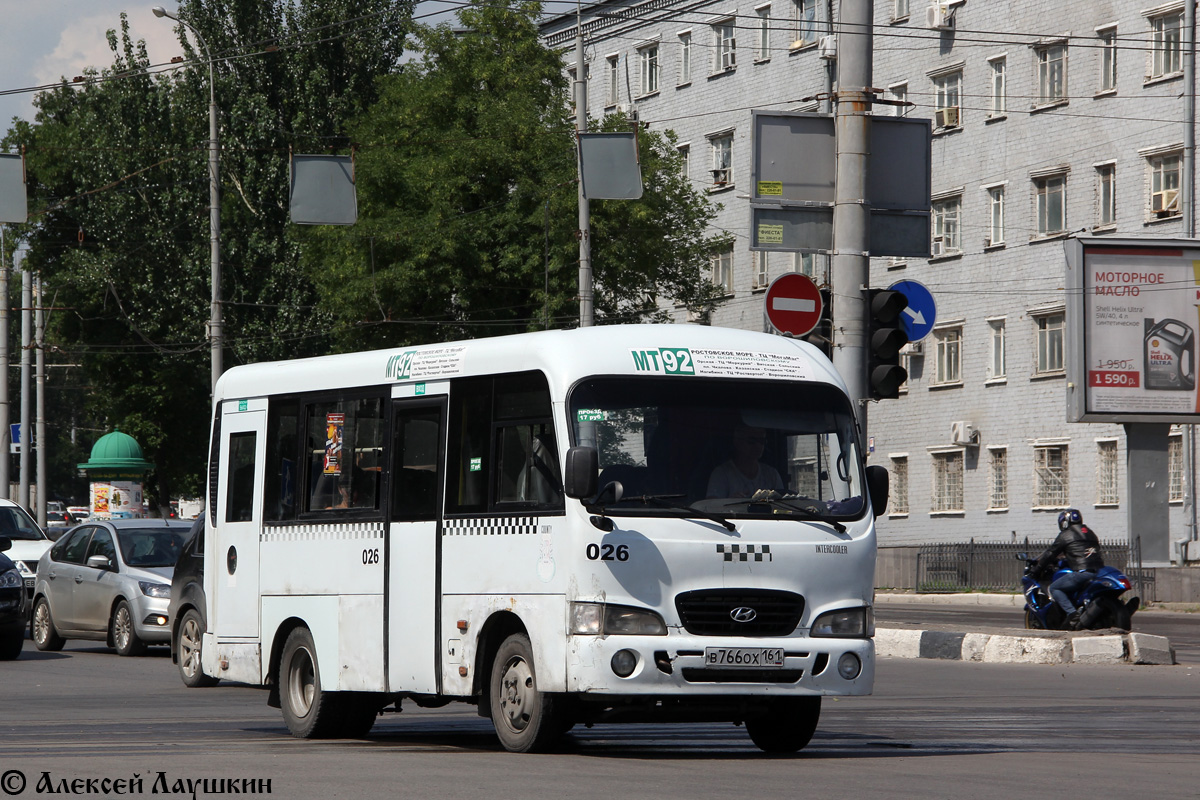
1106	195
1051	200
1164	185
722	270
722	159
806	264
999	103
1050	478
898	500
1175	468
947	482
758	266
995	216
1166	52
685	58
1049	344
946	215
1108	60
763	49
948	369
614	80
996	357
1051	74
725	46
1106	473
685	161
899	95
997	478
648	61
806	23
901	10
947	99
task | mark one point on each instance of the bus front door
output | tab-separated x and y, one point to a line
413	547
235	610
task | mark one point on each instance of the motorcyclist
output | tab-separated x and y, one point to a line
1079	545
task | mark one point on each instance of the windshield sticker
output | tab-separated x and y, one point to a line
591	415
426	363
721	363
476	465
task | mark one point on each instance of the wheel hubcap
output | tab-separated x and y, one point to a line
41	624
122	628
516	693
302	682
189	648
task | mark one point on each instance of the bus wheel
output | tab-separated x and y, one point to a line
308	711
526	720
787	726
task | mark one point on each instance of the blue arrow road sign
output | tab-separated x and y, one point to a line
917	320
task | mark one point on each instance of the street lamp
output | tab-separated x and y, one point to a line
214	199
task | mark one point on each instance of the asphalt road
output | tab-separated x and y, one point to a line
1183	629
933	729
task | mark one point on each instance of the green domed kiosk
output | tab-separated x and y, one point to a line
116	470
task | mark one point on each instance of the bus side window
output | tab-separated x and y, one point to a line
281	473
416	468
239	466
344	440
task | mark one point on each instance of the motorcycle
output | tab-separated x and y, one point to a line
1100	599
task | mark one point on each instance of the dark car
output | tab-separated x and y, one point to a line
14	605
187	609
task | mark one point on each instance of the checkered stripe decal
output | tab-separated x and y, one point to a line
492	526
309	533
745	552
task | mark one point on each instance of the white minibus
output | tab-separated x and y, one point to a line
612	524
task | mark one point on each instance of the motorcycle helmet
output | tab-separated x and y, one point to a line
1068	518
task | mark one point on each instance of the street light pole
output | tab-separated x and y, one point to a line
214	200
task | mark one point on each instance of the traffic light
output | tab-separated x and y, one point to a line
822	335
885	337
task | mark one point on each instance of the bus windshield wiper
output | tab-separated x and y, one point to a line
771	498
668	501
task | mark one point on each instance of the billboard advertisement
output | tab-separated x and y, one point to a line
1133	315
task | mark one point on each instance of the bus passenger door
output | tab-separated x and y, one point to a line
238	521
413	546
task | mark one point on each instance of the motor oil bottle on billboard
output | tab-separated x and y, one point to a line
1170	351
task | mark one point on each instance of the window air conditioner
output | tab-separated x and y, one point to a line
963	433
828	48
939	17
913	349
946	117
936	248
1165	203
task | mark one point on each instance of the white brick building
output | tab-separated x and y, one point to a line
1048	123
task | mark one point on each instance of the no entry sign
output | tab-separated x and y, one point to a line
793	304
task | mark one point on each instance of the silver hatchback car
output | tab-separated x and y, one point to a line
108	580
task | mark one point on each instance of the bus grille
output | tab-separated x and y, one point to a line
710	612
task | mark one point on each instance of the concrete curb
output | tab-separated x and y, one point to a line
962	599
1034	647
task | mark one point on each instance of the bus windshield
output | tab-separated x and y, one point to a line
733	448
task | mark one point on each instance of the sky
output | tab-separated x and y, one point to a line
43	40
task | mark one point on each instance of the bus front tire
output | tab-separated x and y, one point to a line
526	719
787	727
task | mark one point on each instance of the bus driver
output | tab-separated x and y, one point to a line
744	474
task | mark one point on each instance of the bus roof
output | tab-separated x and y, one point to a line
565	356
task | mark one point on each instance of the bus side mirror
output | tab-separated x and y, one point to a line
582	472
877	487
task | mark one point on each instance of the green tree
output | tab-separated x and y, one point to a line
465	171
117	166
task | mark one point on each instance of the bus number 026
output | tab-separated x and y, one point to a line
608	552
371	555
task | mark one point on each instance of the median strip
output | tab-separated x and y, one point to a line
1032	647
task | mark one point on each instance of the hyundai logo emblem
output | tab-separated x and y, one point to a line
743	614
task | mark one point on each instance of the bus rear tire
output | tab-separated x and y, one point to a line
526	720
309	712
787	727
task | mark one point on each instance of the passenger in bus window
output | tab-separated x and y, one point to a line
744	473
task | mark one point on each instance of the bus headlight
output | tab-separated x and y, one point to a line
602	619
851	623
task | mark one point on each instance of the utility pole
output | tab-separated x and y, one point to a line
5	437
586	315
26	352
39	326
851	264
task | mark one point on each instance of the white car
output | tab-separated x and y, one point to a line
28	540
